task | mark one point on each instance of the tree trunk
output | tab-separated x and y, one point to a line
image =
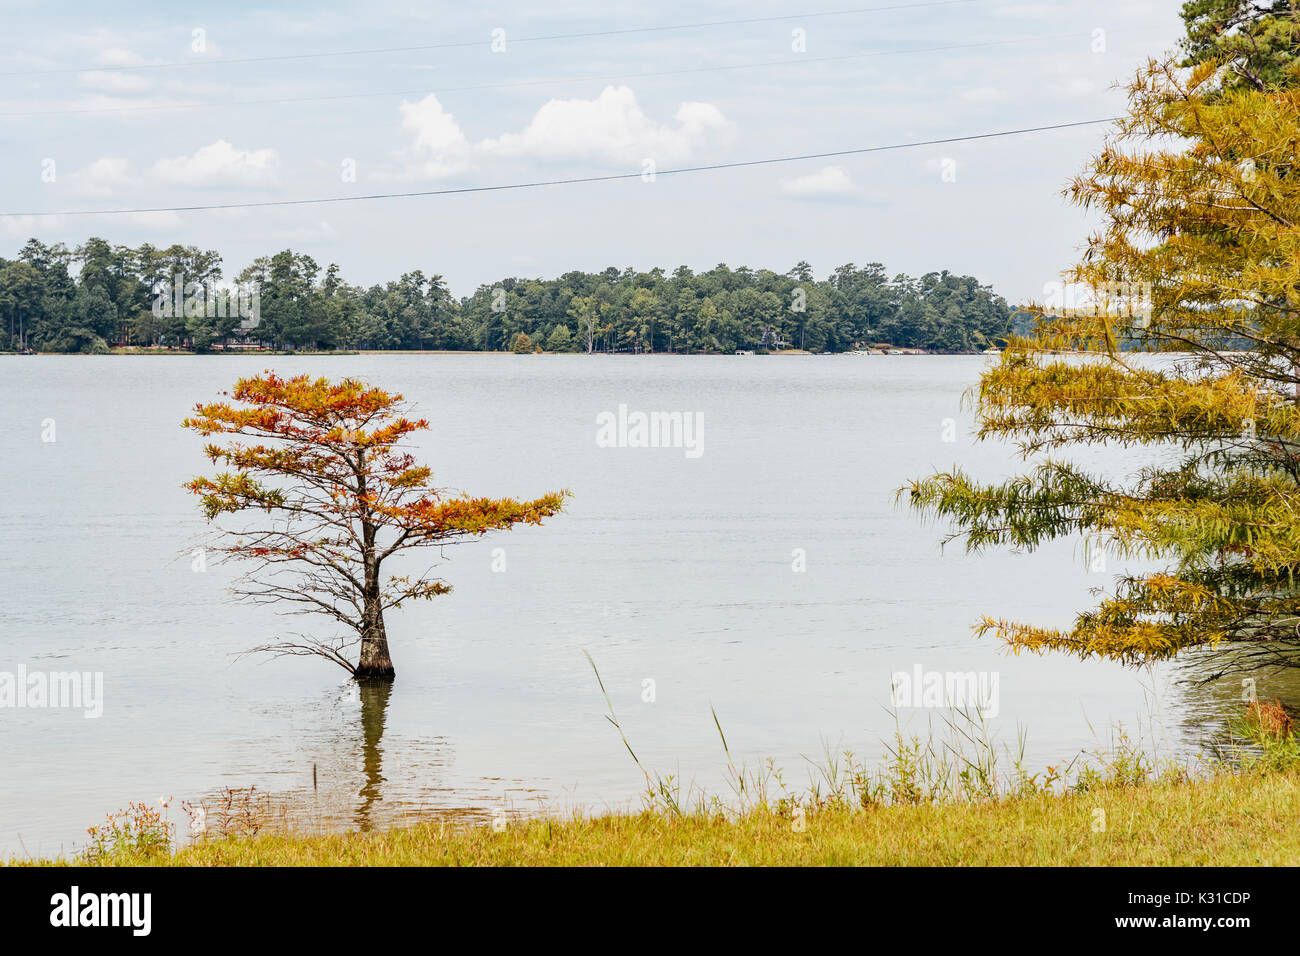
375	664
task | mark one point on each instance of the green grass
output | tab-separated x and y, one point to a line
1233	819
932	802
952	800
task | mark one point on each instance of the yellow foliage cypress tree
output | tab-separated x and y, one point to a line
1187	341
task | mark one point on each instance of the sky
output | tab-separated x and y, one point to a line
146	105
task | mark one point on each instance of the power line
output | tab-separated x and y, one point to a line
797	61
473	43
566	182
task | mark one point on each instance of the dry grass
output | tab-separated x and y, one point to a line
1229	820
929	803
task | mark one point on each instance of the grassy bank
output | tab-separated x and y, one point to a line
1230	820
928	804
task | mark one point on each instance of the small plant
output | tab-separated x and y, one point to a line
137	832
965	765
904	770
198	815
1264	738
243	813
1269	720
1124	764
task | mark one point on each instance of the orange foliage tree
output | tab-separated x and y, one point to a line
327	497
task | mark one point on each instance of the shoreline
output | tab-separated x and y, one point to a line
1218	821
119	352
933	803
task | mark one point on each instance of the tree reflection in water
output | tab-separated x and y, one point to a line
374	708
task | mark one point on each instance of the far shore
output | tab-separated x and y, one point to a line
297	352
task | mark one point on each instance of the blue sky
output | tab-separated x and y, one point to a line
79	131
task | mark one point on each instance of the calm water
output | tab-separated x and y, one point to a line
666	568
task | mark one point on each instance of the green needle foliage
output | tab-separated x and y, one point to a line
1197	260
1255	39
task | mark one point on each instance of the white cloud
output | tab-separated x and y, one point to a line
24	227
829	182
220	163
1075	86
440	147
118	56
155	220
611	128
112	81
1027	11
104	177
982	94
128	107
316	232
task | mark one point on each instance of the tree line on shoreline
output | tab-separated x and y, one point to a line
99	295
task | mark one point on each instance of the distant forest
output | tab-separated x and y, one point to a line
101	295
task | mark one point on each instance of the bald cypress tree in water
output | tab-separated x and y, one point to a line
328	497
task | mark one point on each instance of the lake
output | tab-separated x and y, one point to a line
770	578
